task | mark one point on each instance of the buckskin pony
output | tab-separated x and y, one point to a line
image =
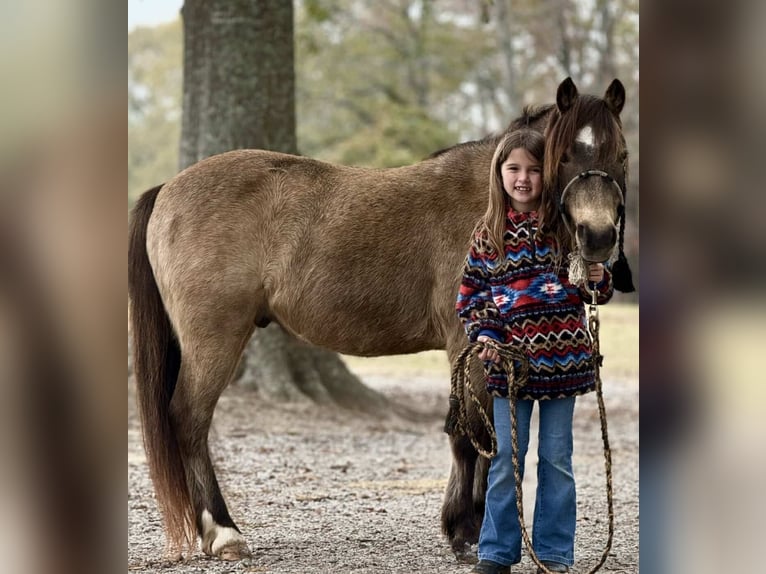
359	261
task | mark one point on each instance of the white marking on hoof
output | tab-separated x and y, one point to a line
222	541
585	136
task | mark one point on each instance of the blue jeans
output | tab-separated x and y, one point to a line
555	504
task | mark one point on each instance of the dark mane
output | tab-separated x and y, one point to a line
532	116
563	129
492	138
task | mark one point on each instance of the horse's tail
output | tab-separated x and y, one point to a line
157	361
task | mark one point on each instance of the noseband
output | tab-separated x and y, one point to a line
586	174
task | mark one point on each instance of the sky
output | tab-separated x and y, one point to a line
152	12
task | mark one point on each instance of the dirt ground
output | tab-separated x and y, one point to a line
324	490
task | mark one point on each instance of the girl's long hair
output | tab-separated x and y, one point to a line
493	222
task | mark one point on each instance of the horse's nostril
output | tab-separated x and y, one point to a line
581	230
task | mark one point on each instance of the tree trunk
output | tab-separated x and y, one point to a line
504	30
607	69
239	79
565	44
239	92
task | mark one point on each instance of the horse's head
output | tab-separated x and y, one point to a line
586	163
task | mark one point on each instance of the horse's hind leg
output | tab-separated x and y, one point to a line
208	363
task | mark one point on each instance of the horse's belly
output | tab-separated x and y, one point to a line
360	329
369	343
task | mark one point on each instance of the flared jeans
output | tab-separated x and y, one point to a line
555	503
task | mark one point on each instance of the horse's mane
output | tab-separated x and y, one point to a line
564	127
561	131
490	139
530	117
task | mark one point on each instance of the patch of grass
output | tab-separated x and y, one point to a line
618	338
426	363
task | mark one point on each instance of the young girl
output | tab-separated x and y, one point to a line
515	290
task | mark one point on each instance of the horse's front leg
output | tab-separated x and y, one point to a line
462	513
463	507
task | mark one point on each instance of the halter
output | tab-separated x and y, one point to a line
621	271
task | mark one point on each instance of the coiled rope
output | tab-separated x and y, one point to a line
516	366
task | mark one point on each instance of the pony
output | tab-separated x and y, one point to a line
359	261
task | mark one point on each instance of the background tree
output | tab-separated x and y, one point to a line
388	82
239	92
154	105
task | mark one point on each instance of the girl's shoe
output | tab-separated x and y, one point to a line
489	567
553	567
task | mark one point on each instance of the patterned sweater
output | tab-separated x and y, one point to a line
521	301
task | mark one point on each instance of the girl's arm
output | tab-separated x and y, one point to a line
475	306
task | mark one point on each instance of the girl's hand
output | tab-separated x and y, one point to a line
487	354
595	272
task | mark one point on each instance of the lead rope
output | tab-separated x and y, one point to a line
516	365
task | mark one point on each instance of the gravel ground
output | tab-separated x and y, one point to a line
318	490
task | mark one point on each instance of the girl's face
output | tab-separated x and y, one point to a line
522	180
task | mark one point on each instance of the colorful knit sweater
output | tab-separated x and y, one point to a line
521	301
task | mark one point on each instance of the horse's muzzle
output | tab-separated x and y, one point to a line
596	245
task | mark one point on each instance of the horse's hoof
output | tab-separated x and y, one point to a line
223	542
234	551
465	554
228	549
172	556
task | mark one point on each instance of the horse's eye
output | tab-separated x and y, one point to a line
565	158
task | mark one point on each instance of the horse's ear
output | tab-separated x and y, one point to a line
615	96
566	95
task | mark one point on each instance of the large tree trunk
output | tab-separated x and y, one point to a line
504	29
239	79
607	68
239	92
